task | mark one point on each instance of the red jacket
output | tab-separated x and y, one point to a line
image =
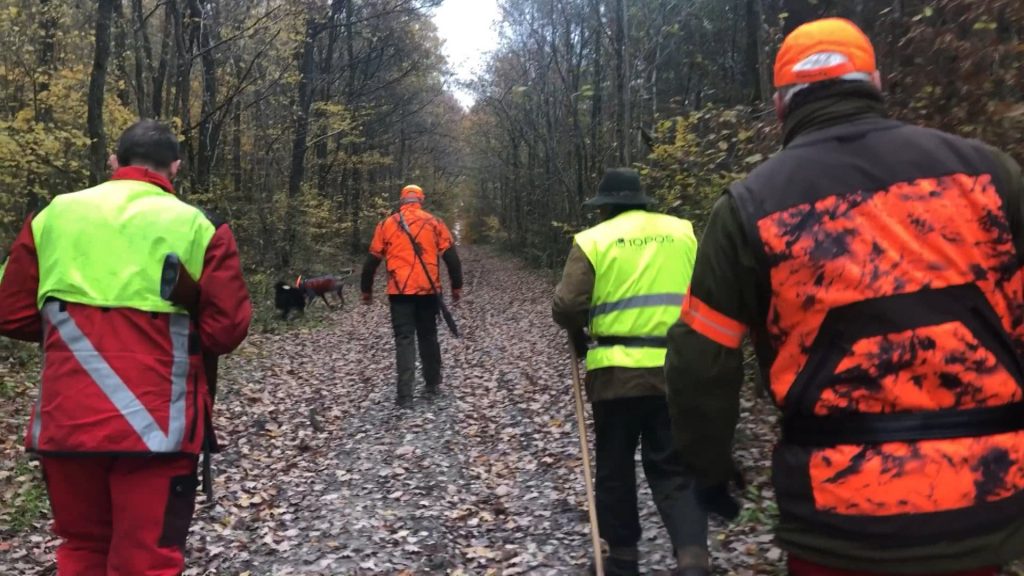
129	357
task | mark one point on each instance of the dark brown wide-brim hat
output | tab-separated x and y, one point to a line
620	187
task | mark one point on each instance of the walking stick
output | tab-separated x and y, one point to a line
595	534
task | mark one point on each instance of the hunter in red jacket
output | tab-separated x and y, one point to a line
123	407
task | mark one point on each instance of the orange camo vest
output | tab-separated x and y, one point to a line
895	328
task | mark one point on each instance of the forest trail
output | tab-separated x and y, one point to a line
323	475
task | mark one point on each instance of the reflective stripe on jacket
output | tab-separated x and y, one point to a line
642	263
122	372
894	333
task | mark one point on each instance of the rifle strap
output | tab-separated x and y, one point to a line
418	251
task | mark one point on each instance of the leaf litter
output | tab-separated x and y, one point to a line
322	474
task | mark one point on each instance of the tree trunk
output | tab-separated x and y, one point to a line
355	173
800	12
209	128
754	54
596	107
573	107
303	104
143	60
355	211
402	159
47	35
236	148
300	132
120	50
183	65
187	25
623	131
97	84
48	25
160	76
326	71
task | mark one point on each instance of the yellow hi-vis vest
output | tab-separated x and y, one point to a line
643	262
105	246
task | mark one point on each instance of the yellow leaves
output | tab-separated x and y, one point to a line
695	157
23	120
336	120
115	117
37	160
175	124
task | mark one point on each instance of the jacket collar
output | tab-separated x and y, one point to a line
840	105
143	175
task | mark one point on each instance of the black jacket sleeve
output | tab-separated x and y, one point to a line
704	376
369	270
454	264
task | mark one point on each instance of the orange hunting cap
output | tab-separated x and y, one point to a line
826	49
412	193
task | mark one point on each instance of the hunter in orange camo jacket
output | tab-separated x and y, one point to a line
877	267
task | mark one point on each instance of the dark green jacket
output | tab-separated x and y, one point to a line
704	378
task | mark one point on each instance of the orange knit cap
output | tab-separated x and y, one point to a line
412	193
821	50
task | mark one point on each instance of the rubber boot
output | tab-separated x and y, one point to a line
692	561
620	562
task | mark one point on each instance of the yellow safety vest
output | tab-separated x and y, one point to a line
643	262
105	246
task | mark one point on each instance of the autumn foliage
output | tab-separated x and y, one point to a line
695	82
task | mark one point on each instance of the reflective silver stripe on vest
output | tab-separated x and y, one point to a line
37	419
647	301
37	414
118	393
179	378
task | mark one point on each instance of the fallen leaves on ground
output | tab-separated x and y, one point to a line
323	475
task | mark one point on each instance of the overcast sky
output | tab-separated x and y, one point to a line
466	26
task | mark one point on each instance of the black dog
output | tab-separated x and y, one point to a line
288	298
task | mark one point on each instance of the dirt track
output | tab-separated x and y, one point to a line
324	476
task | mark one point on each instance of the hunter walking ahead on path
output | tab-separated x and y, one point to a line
877	267
123	407
412	242
625	280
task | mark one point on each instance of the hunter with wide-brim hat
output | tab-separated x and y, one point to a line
620	187
623	285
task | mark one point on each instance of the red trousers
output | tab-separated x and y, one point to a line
800	567
121	516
